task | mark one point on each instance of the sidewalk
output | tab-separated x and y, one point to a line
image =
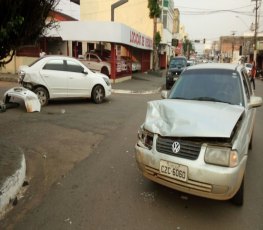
12	161
141	83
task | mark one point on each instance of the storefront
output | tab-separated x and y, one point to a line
76	38
116	39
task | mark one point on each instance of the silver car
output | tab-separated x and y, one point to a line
198	139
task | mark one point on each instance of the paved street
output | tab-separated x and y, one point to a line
82	172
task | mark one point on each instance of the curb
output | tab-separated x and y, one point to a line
12	178
122	91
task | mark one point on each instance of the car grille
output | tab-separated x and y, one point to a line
177	73
188	149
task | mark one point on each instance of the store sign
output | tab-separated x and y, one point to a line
140	40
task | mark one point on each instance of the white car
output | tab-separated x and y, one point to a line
52	77
97	63
197	140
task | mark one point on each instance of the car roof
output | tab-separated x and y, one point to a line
226	66
57	56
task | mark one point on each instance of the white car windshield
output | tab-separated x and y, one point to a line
216	85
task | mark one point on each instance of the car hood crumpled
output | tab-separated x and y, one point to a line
187	118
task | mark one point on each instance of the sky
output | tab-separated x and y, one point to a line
210	19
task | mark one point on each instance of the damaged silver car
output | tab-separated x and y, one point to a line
197	140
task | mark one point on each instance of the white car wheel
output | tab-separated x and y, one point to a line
98	94
42	95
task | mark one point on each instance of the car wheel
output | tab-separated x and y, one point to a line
105	71
238	198
98	94
42	95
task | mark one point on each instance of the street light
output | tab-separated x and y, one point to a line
256	28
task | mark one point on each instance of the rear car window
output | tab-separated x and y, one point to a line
57	65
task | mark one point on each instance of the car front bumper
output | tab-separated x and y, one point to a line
204	180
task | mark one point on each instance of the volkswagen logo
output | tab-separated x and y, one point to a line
176	147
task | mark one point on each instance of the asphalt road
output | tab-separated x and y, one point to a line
82	173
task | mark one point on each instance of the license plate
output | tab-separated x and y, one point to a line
173	170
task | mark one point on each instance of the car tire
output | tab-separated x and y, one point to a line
105	71
238	198
42	95
168	87
98	94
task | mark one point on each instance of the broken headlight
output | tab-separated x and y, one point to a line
21	75
145	137
221	156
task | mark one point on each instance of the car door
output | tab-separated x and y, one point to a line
79	82
53	74
250	113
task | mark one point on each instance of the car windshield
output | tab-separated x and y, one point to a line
248	65
216	85
177	62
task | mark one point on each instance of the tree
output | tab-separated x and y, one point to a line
188	47
154	13
22	23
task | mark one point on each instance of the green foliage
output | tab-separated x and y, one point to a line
188	46
154	8
157	38
21	23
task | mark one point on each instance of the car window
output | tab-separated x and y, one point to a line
55	64
247	85
74	67
94	58
34	62
248	65
209	85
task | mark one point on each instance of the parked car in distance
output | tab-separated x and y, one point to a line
133	65
52	77
103	53
197	140
97	63
176	66
190	62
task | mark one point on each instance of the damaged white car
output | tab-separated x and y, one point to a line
198	139
54	77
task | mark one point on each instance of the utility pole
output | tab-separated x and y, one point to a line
255	32
233	44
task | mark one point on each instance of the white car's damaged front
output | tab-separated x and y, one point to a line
197	142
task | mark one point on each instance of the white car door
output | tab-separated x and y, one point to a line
54	75
79	83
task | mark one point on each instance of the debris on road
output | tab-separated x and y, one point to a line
30	98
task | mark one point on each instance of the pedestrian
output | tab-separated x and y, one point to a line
253	74
42	53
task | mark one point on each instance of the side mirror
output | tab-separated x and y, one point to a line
255	102
165	94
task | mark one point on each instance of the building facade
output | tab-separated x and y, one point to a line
135	14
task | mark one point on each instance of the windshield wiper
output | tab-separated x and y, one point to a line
210	99
181	98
